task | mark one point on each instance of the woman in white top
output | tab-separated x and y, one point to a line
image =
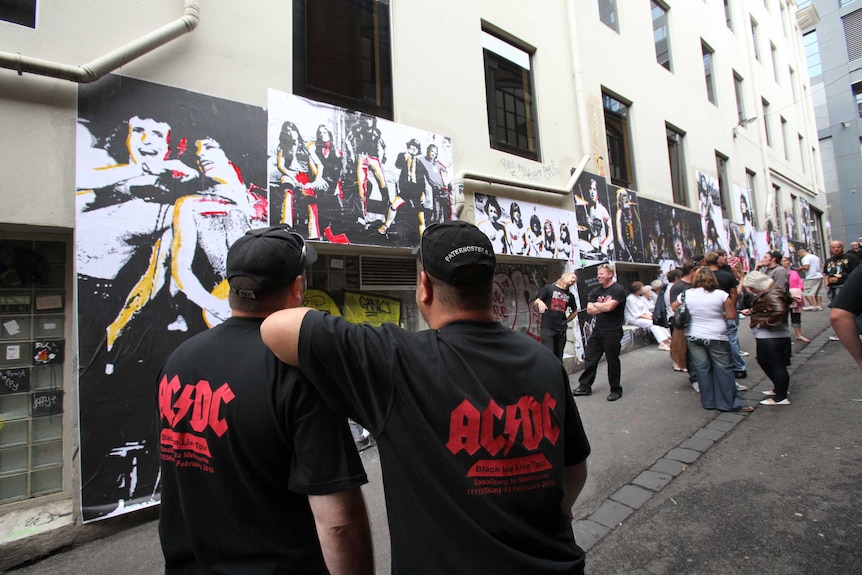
708	345
638	313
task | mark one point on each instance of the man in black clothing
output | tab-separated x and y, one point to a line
607	302
480	441
554	302
837	268
727	283
258	476
846	315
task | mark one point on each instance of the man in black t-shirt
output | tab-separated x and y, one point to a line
258	475
837	268
846	314
480	441
607	302
556	305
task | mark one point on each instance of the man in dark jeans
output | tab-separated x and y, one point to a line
607	303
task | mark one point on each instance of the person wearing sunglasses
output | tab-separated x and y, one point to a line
481	445
257	474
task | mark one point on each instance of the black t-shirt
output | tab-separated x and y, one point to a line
559	301
475	424
679	286
726	280
839	267
244	441
850	296
614	319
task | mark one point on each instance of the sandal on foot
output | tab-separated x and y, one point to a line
680	369
803	339
744	409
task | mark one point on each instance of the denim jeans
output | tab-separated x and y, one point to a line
712	363
737	362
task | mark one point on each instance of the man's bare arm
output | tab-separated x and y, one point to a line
280	333
844	324
574	478
345	535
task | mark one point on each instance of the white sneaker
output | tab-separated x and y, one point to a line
740	387
809	308
834	338
770	401
744	354
695	386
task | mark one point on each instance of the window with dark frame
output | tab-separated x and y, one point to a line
754	40
512	125
21	12
765	105
342	54
660	34
740	97
620	162
707	72
751	185
723	185
857	96
676	159
728	15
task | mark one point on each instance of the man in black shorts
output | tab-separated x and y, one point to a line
480	441
258	476
607	302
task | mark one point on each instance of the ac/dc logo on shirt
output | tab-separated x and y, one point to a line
471	428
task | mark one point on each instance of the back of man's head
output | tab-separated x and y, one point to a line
262	264
711	259
687	267
459	257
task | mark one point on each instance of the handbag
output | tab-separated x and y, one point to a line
681	316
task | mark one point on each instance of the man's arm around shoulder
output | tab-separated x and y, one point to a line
280	333
344	532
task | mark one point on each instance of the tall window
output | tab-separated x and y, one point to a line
342	54
783	18
707	72
773	51
765	105
723	185
812	54
751	185
620	163
857	95
803	159
509	93
793	87
608	14
660	34
676	158
740	97
754	40
21	12
728	14
784	138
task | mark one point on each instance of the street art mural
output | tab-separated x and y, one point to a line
596	241
515	289
166	180
347	177
526	229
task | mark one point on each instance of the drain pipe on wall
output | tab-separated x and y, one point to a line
94	70
490	179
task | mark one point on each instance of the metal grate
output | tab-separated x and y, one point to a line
387	273
853	34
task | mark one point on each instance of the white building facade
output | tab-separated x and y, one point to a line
571	131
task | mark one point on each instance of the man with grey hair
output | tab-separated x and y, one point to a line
607	302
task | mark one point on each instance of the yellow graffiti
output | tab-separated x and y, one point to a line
374	309
320	300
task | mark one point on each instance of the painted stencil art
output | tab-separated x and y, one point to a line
345	177
166	180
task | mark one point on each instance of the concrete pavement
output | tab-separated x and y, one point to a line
672	487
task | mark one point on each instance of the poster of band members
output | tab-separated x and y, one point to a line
347	177
627	225
595	224
526	229
709	201
166	179
805	223
741	236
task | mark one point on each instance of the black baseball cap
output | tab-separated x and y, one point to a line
457	253
272	256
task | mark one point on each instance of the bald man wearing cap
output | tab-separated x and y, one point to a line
258	475
481	445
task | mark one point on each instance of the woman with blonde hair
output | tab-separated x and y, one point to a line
708	344
771	332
